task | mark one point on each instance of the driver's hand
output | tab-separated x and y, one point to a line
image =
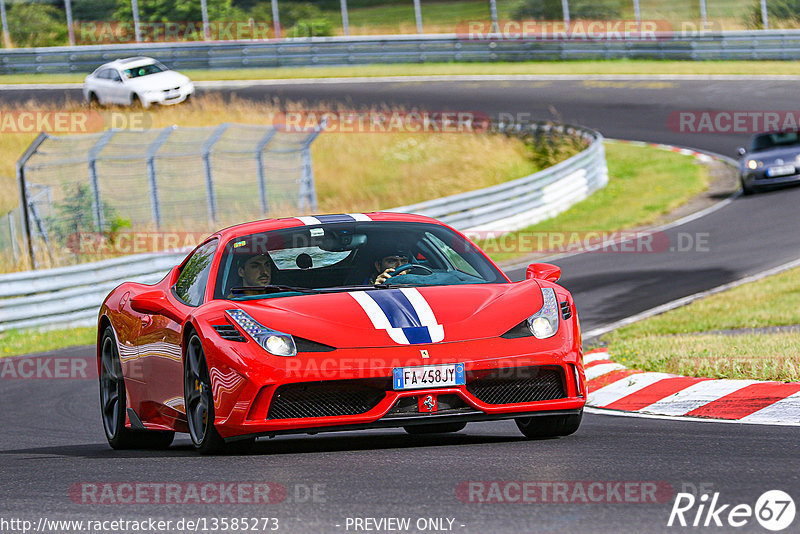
385	275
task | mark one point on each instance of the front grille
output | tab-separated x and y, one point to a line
445	403
327	399
228	332
566	311
517	384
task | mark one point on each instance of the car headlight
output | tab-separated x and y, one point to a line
544	323
272	341
753	164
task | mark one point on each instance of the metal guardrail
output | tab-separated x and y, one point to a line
319	51
71	296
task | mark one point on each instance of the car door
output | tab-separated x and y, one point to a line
120	93
102	86
160	338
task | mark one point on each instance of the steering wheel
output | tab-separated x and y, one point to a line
411	266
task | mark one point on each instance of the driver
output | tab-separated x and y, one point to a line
385	266
256	270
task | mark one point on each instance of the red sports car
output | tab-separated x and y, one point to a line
337	322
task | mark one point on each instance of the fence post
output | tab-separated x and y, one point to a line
345	18
262	186
97	205
13	231
764	15
211	198
637	14
136	26
4	20
70	29
493	16
418	15
155	207
23	193
703	14
276	19
308	191
204	15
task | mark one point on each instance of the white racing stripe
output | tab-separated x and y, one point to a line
424	312
359	217
624	387
695	396
378	318
309	221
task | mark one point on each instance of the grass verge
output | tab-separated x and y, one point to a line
610	67
686	340
16	342
658	180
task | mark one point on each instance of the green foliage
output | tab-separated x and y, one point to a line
93	9
779	12
75	214
578	9
184	11
37	25
311	28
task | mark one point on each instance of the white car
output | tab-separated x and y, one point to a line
136	81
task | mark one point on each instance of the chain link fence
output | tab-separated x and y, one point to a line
170	179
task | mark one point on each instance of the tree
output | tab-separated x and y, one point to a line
578	9
36	25
178	11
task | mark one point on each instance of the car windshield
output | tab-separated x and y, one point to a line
774	140
337	257
144	70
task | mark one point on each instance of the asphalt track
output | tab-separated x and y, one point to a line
52	438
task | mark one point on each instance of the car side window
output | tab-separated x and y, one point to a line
103	74
190	287
114	76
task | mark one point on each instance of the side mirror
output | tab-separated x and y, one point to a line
543	271
741	151
155	302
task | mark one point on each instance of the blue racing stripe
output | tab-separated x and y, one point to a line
397	308
334	218
417	334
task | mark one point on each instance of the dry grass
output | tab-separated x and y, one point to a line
354	172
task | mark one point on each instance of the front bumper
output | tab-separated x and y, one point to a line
168	97
245	410
759	180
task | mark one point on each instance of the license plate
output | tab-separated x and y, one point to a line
781	170
172	94
429	376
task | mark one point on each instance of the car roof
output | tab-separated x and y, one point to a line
128	62
266	225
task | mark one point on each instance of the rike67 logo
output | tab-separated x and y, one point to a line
774	510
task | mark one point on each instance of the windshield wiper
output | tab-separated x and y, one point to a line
243	290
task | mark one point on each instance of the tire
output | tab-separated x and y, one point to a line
136	102
199	402
747	190
549	426
93	101
113	404
435	428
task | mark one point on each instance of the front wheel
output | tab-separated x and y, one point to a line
113	404
199	403
549	426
